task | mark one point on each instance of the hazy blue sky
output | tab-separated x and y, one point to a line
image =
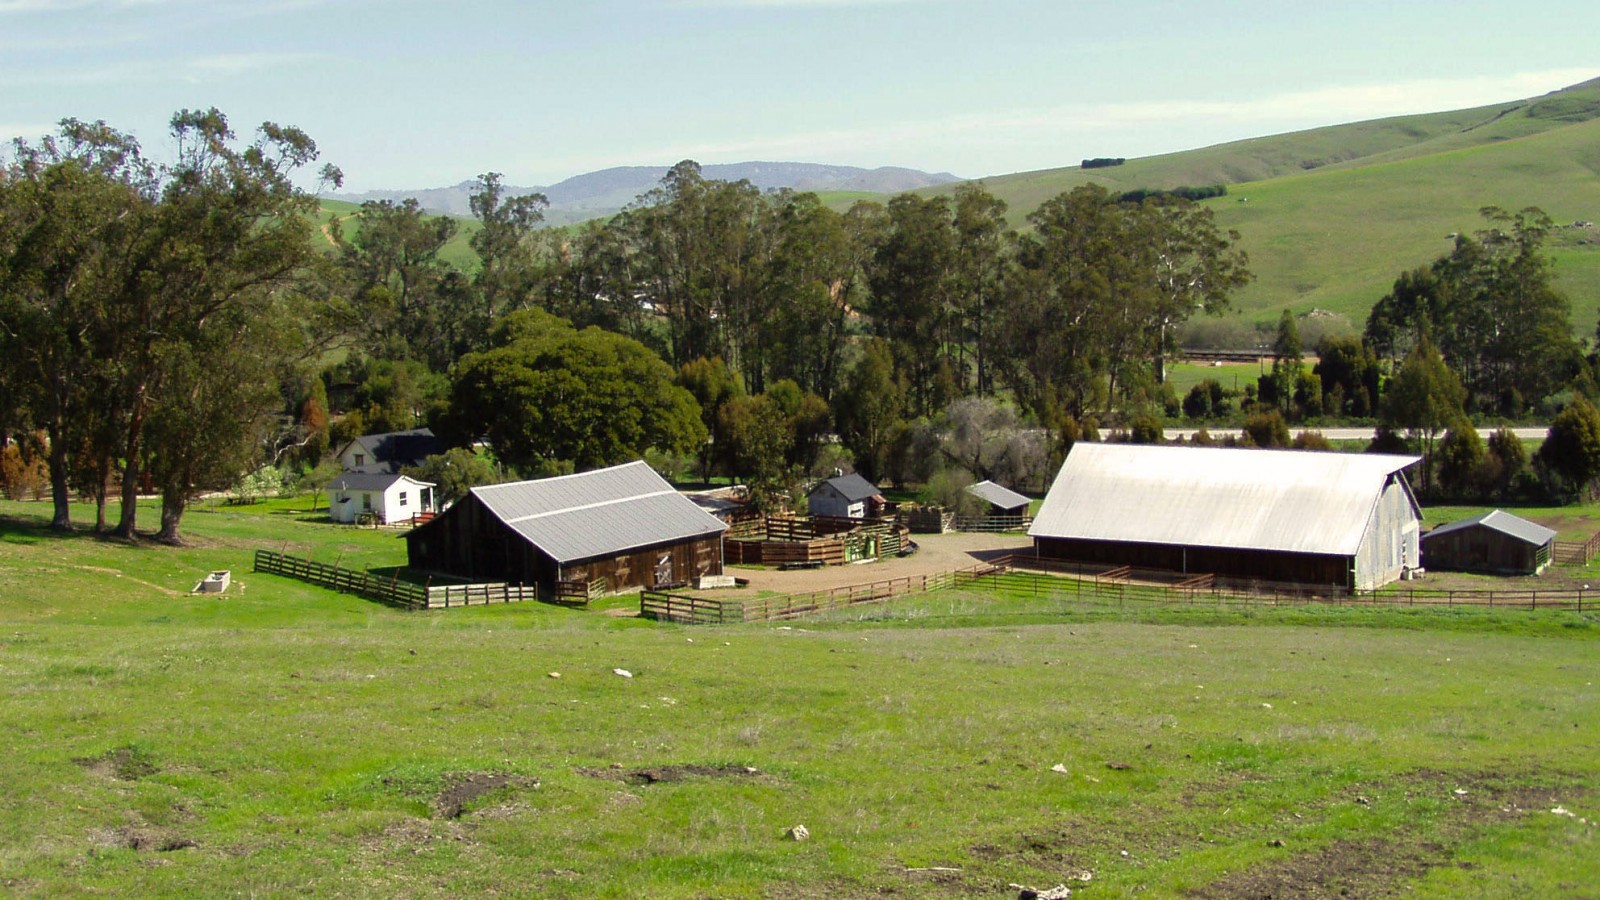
404	94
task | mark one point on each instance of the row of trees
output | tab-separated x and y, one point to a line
150	312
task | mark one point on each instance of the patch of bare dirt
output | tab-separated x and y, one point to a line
670	774
122	763
142	839
936	553
452	802
1381	867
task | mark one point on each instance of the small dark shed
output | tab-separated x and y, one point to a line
624	524
845	497
1002	500
1494	543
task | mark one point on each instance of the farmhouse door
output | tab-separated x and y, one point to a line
663	568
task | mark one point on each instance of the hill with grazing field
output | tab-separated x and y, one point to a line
282	738
1331	215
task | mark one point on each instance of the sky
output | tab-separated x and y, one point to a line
410	94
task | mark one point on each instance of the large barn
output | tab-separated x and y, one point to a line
624	524
1344	520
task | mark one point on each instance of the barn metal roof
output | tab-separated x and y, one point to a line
1287	500
598	513
1503	522
998	495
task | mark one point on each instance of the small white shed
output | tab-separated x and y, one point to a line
386	499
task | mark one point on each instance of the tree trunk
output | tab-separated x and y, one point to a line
60	490
172	508
130	469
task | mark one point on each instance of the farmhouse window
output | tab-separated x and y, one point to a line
402	498
361	459
366	502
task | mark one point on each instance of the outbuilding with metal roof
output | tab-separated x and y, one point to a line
625	524
1494	542
1002	500
1342	520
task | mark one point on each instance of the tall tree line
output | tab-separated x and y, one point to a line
146	311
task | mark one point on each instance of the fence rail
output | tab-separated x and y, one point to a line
390	588
1044	577
1577	553
992	523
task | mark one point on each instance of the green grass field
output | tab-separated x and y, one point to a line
283	739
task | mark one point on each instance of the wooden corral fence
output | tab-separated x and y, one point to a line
993	523
1122	584
580	593
392	590
1577	553
814	541
389	589
692	610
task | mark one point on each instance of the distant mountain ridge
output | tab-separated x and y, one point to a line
607	191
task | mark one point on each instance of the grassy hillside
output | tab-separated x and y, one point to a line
1330	216
285	739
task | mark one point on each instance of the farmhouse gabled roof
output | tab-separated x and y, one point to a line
852	487
1295	501
1503	522
598	513
394	449
998	495
371	481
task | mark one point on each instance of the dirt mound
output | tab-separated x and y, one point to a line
122	763
668	774
464	788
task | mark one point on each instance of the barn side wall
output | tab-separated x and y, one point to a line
1391	543
1266	565
673	563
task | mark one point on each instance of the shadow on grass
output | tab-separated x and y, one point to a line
36	530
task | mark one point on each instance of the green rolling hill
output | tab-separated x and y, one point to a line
1331	215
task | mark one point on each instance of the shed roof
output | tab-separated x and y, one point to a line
998	495
852	487
1503	522
371	481
1287	500
598	513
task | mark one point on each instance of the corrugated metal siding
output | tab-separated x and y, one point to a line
598	513
1291	501
1391	543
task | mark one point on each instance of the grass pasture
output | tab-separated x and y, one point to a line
285	739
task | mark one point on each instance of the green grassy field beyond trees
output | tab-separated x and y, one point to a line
285	739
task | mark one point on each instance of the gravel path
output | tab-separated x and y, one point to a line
935	553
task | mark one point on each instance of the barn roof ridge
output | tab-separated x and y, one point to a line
583	506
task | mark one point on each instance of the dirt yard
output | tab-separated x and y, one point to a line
935	553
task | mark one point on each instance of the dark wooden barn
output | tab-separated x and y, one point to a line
1338	520
1497	543
624	524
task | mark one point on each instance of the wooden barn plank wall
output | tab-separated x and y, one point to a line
1266	565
